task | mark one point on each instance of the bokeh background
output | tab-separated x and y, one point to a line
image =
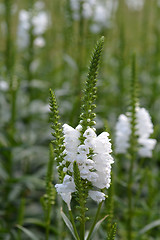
47	44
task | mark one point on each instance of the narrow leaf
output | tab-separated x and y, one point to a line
149	226
27	232
68	223
40	224
96	228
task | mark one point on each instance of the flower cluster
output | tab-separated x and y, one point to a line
36	19
135	5
93	159
99	11
144	128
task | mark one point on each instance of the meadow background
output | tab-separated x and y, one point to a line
59	59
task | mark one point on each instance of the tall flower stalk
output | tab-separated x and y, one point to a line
133	145
49	197
83	158
132	138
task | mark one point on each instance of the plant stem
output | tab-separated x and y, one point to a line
133	144
95	221
130	202
82	228
73	224
48	222
9	50
21	217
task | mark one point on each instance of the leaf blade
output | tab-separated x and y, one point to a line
68	223
27	232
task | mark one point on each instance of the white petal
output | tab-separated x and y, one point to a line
97	196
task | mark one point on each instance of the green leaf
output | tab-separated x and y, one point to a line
95	228
149	226
27	232
40	224
68	223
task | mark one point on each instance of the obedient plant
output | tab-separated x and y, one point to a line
100	13
132	138
135	5
83	158
35	20
143	129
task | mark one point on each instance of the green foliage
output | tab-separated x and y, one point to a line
28	73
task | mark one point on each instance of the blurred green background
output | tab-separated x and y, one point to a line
47	44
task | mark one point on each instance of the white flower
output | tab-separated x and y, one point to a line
144	128
93	159
79	128
144	125
123	132
146	146
3	85
39	21
65	189
102	143
39	42
83	149
89	133
23	28
39	5
97	196
100	12
135	5
103	178
71	138
102	160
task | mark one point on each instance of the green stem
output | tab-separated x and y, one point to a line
130	202
132	150
82	228
80	45
21	217
48	222
30	49
95	220
8	51
73	224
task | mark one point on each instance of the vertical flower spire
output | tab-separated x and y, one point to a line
90	90
57	134
84	159
133	129
132	137
133	105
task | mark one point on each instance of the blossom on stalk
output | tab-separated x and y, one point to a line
83	158
66	189
123	132
144	128
93	159
100	12
3	85
135	5
38	20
